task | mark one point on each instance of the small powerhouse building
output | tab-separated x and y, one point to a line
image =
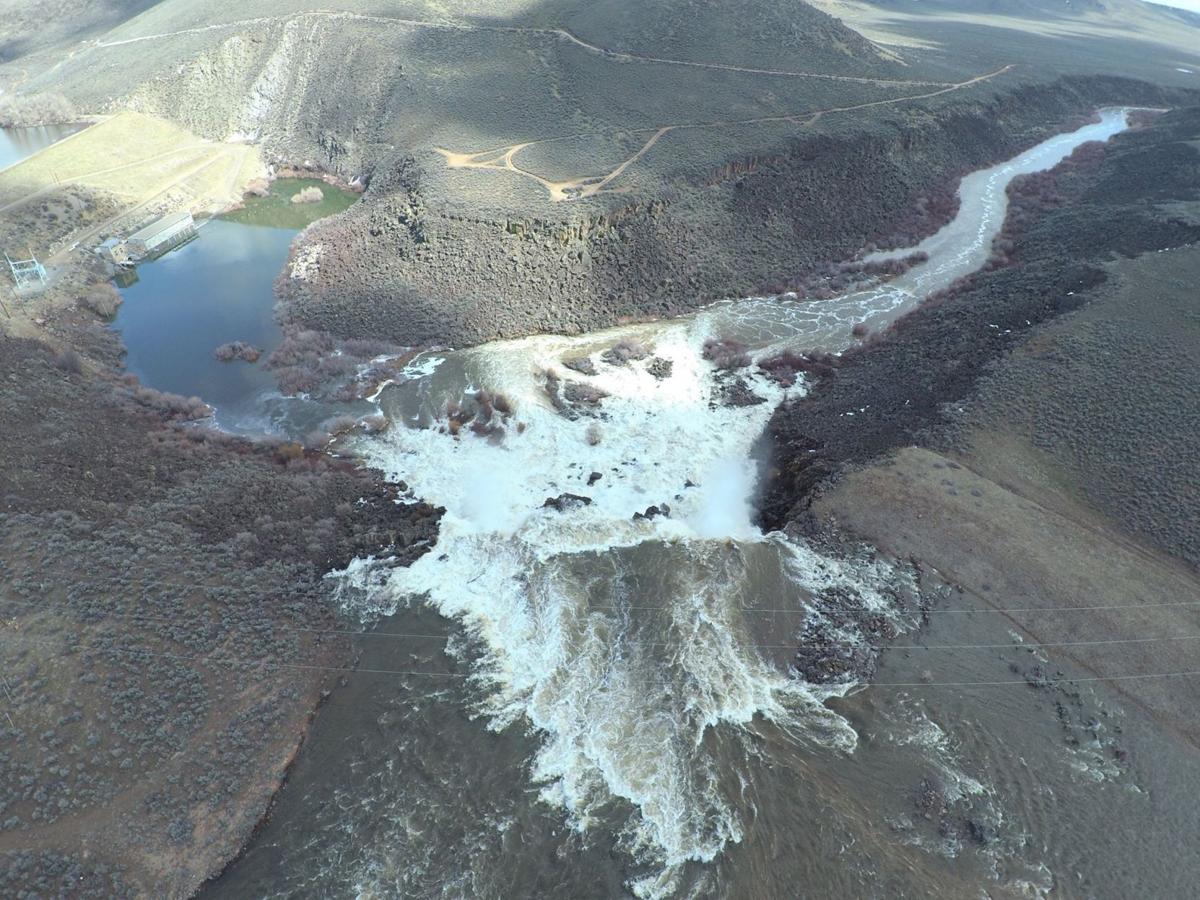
114	251
160	236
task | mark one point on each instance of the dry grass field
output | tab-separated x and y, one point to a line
115	173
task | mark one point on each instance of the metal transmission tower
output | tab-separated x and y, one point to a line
28	274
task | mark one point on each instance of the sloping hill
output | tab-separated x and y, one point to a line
345	84
742	32
26	27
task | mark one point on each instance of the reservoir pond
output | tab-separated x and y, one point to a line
17	144
179	308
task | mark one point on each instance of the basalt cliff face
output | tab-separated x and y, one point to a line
409	266
608	163
1074	341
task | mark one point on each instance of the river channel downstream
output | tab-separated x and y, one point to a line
586	688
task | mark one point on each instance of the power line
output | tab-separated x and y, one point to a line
1090	678
798	644
213	659
966	609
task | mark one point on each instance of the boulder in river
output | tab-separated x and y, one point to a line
581	364
624	351
652	512
566	502
660	368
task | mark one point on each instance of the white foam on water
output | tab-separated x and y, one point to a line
624	674
622	708
959	248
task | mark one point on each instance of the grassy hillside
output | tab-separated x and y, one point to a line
26	27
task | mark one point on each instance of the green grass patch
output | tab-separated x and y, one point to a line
276	209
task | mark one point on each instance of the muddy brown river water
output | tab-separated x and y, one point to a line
580	700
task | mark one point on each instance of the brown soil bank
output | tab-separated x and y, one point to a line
404	266
163	625
1107	394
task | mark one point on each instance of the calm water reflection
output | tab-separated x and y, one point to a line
17	144
184	305
216	289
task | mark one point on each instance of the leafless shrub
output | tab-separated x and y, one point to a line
35	109
726	354
289	452
927	215
69	361
1031	196
339	425
102	299
784	367
364	348
310	194
301	347
1140	118
484	409
171	406
237	350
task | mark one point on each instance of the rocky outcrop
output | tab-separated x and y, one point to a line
908	387
406	265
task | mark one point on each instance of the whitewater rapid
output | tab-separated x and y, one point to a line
626	642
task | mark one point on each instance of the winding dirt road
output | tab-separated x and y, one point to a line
503	159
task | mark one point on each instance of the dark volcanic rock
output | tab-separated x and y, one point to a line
726	354
901	387
187	567
716	234
624	352
660	368
825	656
574	392
571	398
737	393
581	364
566	502
653	511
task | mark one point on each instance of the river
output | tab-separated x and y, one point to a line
587	700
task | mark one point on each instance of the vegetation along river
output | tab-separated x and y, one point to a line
613	684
